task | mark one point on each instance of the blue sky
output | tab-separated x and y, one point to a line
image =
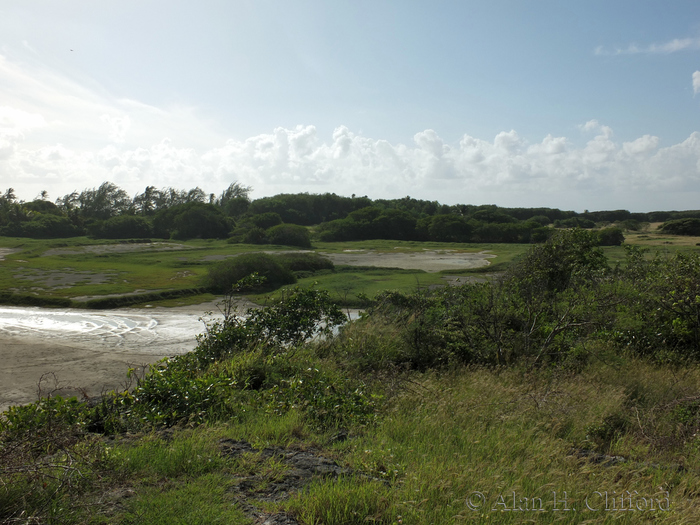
576	105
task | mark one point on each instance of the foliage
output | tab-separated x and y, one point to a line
539	311
449	228
306	209
108	200
660	315
536	368
196	387
198	220
574	222
42	226
225	274
310	262
611	236
264	220
253	235
289	235
122	227
688	226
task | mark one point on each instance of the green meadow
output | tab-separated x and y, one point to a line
82	268
567	390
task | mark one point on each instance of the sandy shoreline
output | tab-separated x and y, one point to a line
86	364
85	353
31	367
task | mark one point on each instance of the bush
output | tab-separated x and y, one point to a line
48	226
611	237
289	235
224	275
255	235
681	227
122	227
265	220
192	220
306	262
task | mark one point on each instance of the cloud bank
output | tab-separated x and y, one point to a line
59	136
507	170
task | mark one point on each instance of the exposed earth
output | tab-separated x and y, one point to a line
429	261
83	353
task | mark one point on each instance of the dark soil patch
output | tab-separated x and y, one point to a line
304	467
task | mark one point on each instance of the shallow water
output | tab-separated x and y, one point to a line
156	331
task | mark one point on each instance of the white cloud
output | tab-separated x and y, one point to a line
119	127
672	46
294	160
696	82
58	135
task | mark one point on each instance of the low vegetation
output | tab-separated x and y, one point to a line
108	212
566	389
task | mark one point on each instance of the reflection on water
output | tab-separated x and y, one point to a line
142	330
160	331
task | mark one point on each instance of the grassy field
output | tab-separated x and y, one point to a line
379	424
460	446
83	268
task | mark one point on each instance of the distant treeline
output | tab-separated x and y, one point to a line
109	212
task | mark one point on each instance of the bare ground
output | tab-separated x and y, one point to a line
43	364
40	365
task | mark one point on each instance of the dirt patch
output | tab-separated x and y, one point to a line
82	353
115	248
33	368
61	279
429	261
303	467
5	251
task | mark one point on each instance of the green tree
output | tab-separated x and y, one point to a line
122	227
289	235
222	276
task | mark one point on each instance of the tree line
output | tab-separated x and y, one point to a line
110	212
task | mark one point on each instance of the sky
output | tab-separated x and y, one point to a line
575	105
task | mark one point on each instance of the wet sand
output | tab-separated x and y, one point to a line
47	355
85	353
34	367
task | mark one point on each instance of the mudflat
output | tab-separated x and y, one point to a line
86	353
34	367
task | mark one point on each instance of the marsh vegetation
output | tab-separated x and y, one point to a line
569	376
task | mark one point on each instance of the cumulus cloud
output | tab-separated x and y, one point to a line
672	46
696	82
59	136
507	170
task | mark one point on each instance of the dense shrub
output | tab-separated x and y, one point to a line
449	228
223	275
122	227
255	235
44	226
264	220
305	262
192	220
689	226
574	222
289	235
611	236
